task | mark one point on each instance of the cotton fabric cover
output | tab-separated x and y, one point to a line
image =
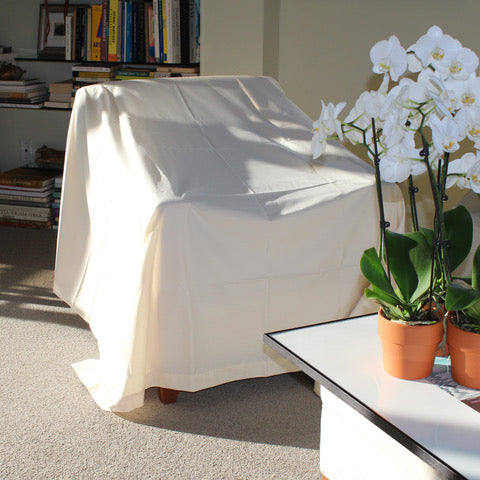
193	220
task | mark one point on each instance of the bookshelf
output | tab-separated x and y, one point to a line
19	25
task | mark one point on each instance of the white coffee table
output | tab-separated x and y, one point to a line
375	425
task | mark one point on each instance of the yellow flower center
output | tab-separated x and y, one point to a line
468	99
474	131
438	54
384	67
474	178
455	67
449	145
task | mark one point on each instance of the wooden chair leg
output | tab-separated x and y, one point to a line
167	395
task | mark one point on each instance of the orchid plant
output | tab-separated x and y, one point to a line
427	105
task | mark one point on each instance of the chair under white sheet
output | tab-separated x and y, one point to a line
193	220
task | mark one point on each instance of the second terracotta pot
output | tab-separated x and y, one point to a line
464	356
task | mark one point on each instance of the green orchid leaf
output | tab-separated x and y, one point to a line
476	270
381	297
409	256
372	269
459	233
473	311
459	297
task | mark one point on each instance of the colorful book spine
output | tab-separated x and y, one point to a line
96	32
150	36
112	30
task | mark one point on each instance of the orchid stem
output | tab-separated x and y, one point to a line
383	224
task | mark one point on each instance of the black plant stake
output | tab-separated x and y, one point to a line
412	190
383	224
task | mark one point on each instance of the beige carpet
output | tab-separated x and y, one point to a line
51	429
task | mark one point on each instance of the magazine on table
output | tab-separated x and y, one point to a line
442	377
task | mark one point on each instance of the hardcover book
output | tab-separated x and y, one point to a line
27	177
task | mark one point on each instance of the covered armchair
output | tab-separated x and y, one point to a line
193	220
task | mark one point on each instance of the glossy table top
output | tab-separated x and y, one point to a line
345	356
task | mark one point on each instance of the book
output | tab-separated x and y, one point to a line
194	36
23	88
22	82
135	71
64	86
27	191
57	104
113	28
150	32
20	105
104	38
96	32
95	67
27	177
25	208
19	197
45	224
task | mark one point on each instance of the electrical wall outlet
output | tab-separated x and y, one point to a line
26	151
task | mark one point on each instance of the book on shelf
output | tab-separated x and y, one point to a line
23	101
17	210
21	82
57	104
95	67
27	191
21	105
64	86
96	32
27	177
23	88
42	224
20	197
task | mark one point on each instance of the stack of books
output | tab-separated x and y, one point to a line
89	73
26	93
57	194
26	196
60	94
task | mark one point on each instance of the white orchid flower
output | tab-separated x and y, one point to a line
388	56
394	127
446	134
467	92
414	64
328	118
399	163
319	139
445	99
326	125
436	49
460	65
464	172
470	119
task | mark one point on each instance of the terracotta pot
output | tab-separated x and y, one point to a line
464	356
409	350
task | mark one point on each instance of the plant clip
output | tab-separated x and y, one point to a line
423	152
413	189
408	123
384	224
444	197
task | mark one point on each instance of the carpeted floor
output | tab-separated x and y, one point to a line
51	429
